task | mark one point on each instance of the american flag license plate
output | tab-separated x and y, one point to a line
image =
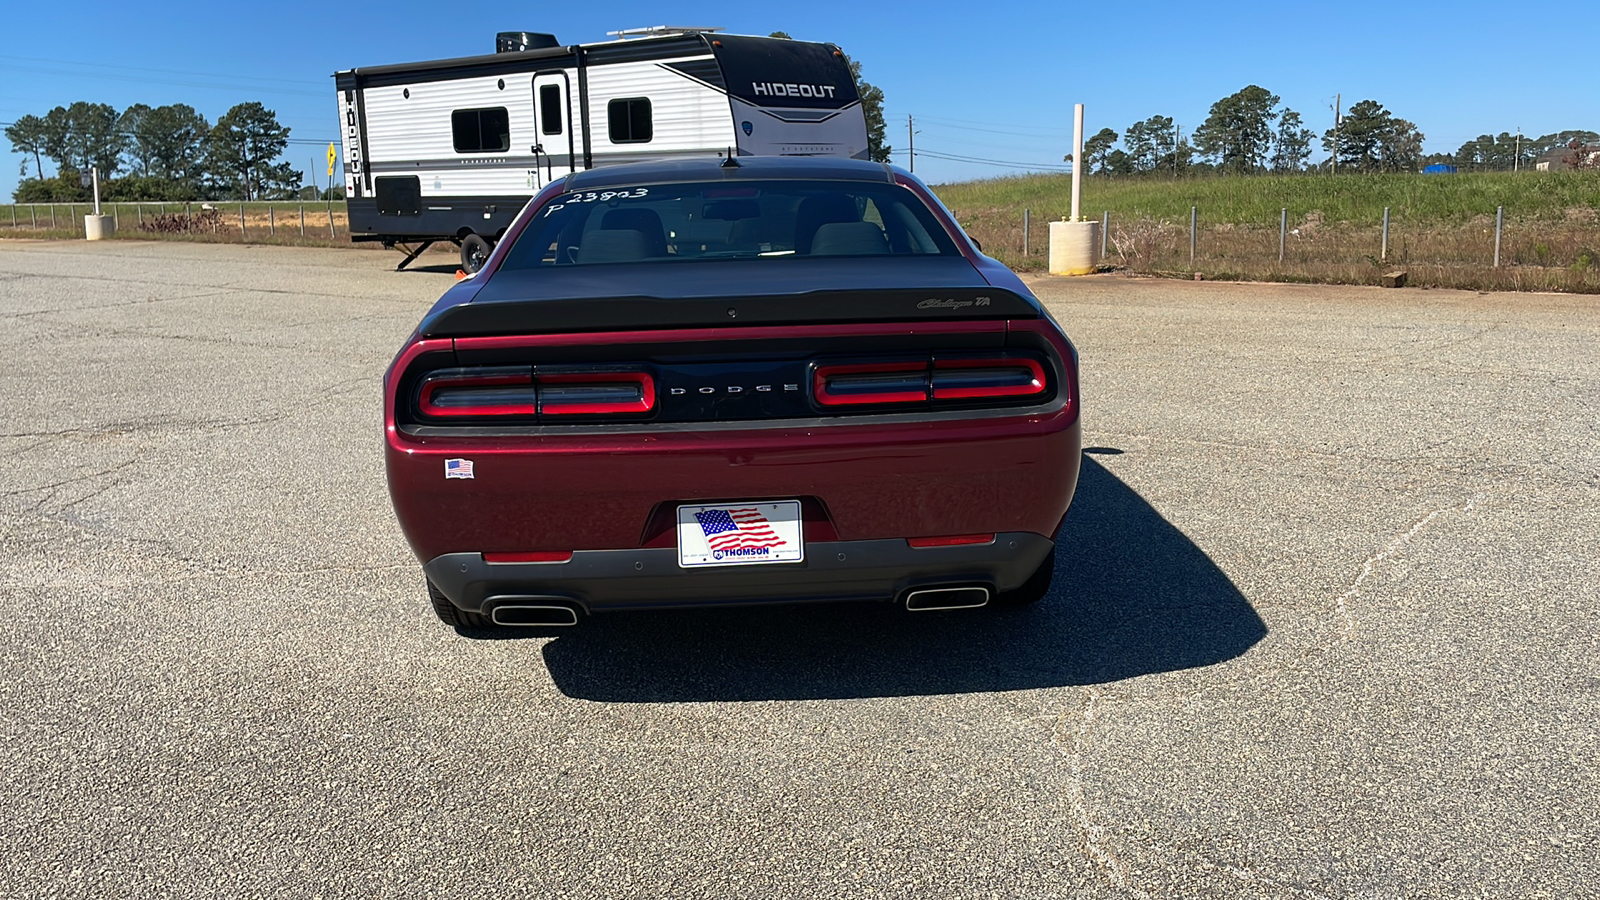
740	534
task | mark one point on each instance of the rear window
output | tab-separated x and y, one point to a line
761	220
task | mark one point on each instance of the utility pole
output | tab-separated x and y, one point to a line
1516	160
1177	138
1337	109
911	141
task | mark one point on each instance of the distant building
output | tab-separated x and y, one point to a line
1556	160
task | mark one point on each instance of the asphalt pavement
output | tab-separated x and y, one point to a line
1324	625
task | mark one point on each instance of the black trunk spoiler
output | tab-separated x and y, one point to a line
558	316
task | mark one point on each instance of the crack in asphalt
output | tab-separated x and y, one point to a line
66	481
118	429
1392	548
1092	835
151	300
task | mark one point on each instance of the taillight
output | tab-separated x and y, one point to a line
507	391
523	392
596	393
970	379
941	378
864	383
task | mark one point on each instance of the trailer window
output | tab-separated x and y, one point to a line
629	120
550	109
481	130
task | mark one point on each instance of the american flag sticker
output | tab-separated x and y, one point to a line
740	534
457	468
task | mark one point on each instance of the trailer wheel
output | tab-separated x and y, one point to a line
474	252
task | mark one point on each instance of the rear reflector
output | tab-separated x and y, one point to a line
861	383
596	393
951	540
967	379
537	556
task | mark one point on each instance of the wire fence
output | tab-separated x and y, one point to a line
309	220
1491	251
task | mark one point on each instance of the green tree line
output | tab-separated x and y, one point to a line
1248	133
153	153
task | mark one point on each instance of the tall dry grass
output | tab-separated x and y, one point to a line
1441	228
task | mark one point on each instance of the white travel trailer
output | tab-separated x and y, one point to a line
451	150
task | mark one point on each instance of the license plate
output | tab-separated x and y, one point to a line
740	534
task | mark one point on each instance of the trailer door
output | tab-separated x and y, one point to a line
552	113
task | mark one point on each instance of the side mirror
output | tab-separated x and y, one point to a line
976	243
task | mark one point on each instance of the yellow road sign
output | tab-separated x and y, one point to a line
331	157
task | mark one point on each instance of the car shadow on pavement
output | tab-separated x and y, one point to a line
1132	596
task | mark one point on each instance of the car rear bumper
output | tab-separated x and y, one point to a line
595	580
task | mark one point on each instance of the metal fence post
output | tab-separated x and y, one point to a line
1283	232
115	221
1026	221
1105	229
241	220
1499	222
330	219
33	215
272	221
52	217
139	208
1384	253
302	220
1194	218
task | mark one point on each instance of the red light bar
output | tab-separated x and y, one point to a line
951	540
965	379
483	392
536	556
852	383
596	393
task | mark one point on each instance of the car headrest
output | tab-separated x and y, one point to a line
849	239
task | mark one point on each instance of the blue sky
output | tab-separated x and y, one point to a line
993	80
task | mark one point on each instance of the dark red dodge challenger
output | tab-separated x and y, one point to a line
765	380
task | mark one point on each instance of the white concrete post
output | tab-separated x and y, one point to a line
1075	244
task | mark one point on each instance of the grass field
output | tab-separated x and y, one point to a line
1441	226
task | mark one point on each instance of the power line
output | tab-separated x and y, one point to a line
317	142
1011	164
1007	125
207	75
208	85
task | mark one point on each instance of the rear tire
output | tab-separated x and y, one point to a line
453	616
474	252
1034	589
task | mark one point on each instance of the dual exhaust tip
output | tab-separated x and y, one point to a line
542	612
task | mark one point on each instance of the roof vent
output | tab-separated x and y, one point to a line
518	41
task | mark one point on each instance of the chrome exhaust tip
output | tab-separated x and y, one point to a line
928	599
520	613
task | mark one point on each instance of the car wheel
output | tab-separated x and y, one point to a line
1034	589
474	252
453	616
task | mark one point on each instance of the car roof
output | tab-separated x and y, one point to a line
764	168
